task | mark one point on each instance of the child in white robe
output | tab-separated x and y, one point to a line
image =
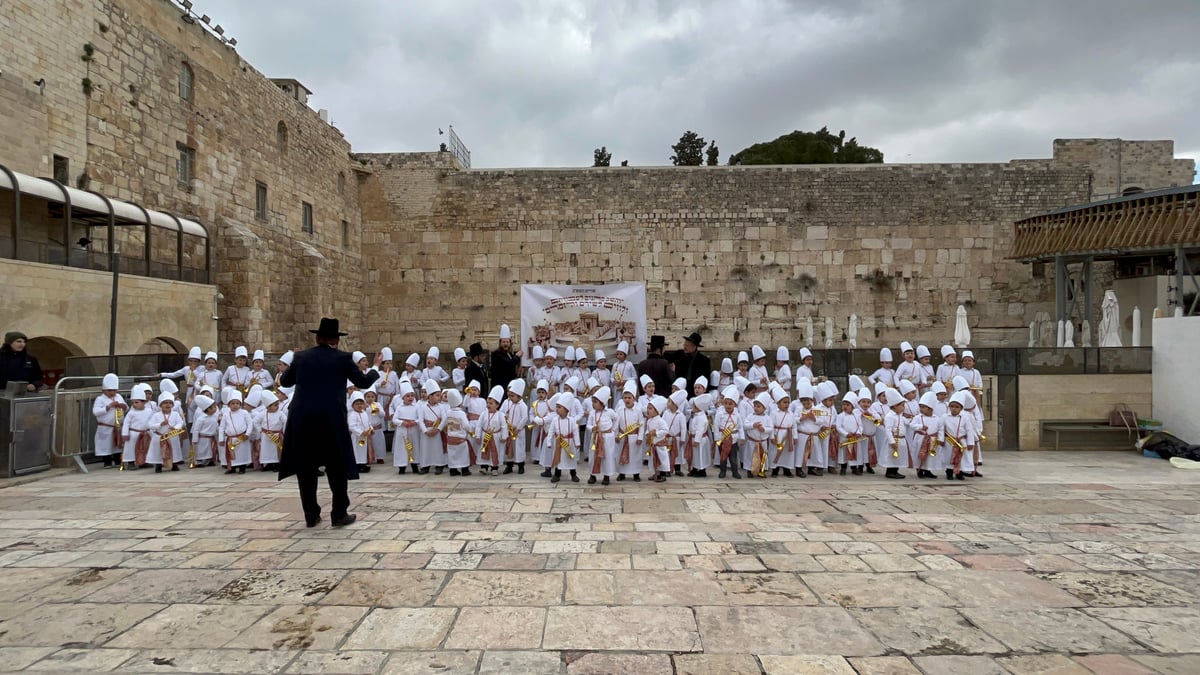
429	425
783	371
630	434
407	439
884	373
782	448
959	432
928	437
602	427
233	434
894	456
727	433
658	439
516	415
361	431
458	452
135	432
698	448
270	424
109	410
166	428
850	435
564	438
623	371
491	430
205	429
238	375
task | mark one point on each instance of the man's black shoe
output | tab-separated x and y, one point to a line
345	520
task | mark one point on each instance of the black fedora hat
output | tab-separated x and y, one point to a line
694	338
475	350
657	341
328	329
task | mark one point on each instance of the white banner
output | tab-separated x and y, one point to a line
588	316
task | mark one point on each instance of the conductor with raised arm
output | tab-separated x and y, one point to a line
317	434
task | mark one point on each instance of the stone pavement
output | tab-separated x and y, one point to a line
1041	567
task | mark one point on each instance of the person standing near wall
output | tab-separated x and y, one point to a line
506	364
17	364
689	363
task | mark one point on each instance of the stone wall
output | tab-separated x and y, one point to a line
1078	397
126	135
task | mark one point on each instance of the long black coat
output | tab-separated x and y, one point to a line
20	367
317	433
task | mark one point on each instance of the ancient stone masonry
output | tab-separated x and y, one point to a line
746	254
408	249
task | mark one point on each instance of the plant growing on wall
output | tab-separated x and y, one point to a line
88	51
87	86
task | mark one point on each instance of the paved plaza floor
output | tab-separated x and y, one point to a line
1053	563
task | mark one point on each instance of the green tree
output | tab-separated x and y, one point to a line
712	154
601	156
809	147
689	151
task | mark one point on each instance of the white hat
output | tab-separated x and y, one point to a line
714	379
386	353
357	356
702	402
570	355
168	386
928	399
851	398
414	360
765	399
885	355
592	383
496	394
907	387
268	398
406	388
702	381
827	389
538	352
630	388
773	387
517	387
881	387
970	400
603	394
805	353
203	402
259	356
474	384
730	392
938	388
459	354
893	397
565	399
453	398
856	383
947	350
680	382
645	379
208	388
287	357
781	354
431	387
505	332
623	347
968	354
743	356
679	398
600	355
551	353
111	381
210	356
779	394
960	383
757	352
230	395
922	351
254	398
144	387
741	383
351	385
864	394
543	384
433	353
581	354
166	396
726	365
194	353
960	397
805	390
659	403
240	351
905	347
357	396
572	382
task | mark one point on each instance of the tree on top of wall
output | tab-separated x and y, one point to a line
809	147
601	156
689	151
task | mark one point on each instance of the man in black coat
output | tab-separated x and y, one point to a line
689	362
506	364
657	366
475	369
317	433
17	364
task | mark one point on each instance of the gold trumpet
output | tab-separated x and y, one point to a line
408	447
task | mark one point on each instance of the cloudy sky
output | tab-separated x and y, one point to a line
544	82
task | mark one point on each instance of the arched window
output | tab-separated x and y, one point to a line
1132	190
281	136
186	77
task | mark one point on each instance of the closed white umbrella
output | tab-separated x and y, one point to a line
1069	337
808	332
1086	333
853	332
962	332
1110	323
828	332
1062	334
1033	332
1137	327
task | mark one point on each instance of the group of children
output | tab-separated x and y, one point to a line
605	421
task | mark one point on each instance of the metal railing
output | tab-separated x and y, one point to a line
73	426
459	149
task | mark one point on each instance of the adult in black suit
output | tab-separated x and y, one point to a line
475	369
506	364
317	433
689	362
657	366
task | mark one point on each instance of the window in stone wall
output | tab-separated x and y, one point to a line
62	169
281	136
306	223
186	164
345	234
185	82
260	200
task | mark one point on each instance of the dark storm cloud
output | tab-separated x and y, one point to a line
542	83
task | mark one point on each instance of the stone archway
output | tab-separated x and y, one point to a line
162	345
52	353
